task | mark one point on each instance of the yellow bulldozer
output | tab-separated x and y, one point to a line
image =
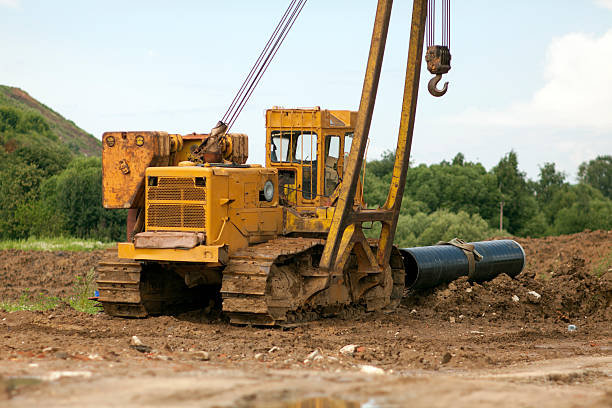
254	233
275	244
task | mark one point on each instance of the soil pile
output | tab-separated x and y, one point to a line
471	344
46	272
566	278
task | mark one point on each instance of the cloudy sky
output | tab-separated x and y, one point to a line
530	75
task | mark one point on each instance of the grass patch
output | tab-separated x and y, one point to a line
604	265
55	244
82	289
29	302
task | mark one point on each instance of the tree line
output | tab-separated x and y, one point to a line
462	199
48	190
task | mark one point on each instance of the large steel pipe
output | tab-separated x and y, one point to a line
431	266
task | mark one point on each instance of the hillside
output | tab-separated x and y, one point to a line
15	102
50	174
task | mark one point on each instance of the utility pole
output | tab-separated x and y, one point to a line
501	208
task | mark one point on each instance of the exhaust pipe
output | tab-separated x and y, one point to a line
431	266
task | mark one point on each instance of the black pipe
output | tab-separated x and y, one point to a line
431	266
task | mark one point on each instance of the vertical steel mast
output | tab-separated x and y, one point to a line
345	230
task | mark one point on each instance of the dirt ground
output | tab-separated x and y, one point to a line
461	344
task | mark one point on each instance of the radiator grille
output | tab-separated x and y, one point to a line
175	188
176	203
179	216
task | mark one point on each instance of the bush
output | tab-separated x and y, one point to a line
598	173
68	203
444	226
9	119
423	229
78	196
537	226
48	159
19	184
584	214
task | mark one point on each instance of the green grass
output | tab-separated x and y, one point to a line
604	265
31	302
55	244
82	289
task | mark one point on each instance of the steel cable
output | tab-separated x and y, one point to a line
268	60
263	52
431	23
448	26
263	61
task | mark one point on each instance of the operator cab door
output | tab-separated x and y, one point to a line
336	147
296	152
306	153
333	162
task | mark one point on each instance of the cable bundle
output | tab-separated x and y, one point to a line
431	23
262	63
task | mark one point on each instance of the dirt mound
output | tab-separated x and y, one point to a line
548	254
50	273
519	348
569	273
566	278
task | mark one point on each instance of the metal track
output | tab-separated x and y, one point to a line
399	278
279	283
119	286
275	283
137	289
248	298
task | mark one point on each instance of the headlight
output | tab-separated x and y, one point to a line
268	190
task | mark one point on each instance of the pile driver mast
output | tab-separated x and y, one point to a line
345	229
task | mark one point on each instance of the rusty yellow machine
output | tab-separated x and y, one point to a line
275	244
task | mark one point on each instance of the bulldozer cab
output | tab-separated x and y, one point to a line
309	148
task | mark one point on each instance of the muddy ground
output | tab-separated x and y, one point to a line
461	344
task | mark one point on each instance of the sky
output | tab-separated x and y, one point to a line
533	76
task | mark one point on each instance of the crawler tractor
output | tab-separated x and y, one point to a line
274	244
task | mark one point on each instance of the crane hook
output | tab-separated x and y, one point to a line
432	86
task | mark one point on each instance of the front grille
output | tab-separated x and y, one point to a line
176	203
175	188
179	216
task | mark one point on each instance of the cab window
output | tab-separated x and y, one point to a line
299	147
293	146
306	154
332	153
305	147
280	146
348	141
